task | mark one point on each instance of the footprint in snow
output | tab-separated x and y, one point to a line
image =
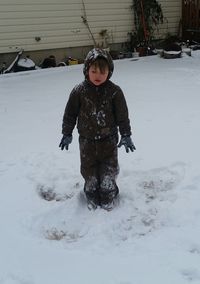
191	275
160	183
138	212
49	193
13	279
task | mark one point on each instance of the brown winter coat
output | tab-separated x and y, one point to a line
98	111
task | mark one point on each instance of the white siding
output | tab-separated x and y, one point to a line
172	10
59	23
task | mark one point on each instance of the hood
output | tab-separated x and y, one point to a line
93	55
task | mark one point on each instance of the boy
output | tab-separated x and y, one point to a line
99	108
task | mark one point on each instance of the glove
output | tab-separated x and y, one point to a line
128	143
65	141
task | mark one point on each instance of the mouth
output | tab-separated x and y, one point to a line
98	82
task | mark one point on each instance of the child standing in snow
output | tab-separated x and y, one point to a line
98	107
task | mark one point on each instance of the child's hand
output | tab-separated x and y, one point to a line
128	143
65	141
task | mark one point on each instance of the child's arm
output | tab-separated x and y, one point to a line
71	113
121	113
123	122
69	119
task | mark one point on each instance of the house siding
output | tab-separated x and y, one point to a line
172	10
59	24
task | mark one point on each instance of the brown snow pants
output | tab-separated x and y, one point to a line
99	168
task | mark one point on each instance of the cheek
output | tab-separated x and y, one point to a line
105	76
90	75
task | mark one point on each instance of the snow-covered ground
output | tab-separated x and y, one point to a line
153	236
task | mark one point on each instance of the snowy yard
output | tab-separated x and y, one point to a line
48	236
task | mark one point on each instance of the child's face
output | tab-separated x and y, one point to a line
96	76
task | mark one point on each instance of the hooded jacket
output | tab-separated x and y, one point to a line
98	111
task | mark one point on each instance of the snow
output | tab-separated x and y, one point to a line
153	235
26	62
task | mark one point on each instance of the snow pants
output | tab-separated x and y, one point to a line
99	168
